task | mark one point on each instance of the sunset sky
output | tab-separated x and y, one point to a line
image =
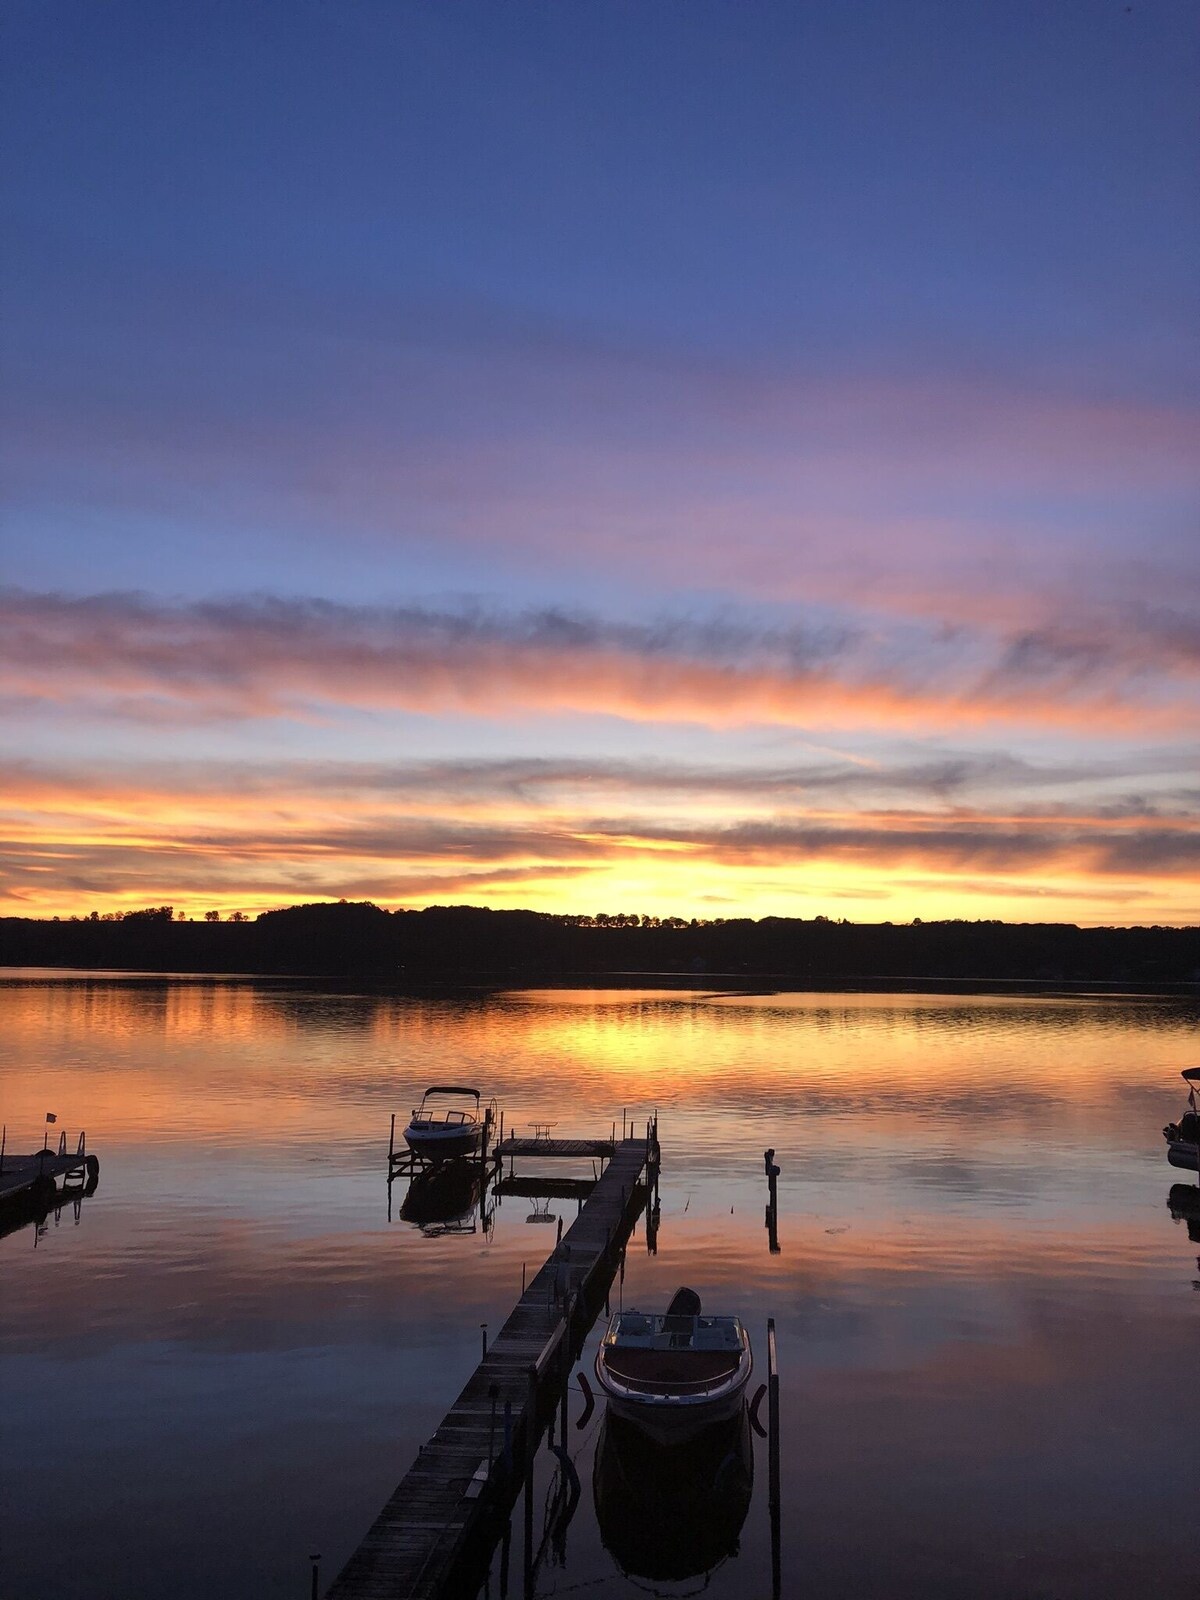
673	457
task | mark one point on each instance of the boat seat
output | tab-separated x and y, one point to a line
656	1369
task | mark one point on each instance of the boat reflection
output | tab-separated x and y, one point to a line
672	1513
1184	1205
451	1197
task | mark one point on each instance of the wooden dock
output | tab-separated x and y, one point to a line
560	1149
445	1515
30	1176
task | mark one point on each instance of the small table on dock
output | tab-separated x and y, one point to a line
541	1131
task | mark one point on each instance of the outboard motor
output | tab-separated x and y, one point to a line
684	1303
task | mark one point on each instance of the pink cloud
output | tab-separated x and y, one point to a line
267	658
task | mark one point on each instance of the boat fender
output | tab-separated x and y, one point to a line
754	1405
585	1416
93	1166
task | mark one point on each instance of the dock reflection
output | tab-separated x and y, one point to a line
673	1513
34	1207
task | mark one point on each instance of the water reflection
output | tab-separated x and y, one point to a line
453	1197
982	1311
670	1513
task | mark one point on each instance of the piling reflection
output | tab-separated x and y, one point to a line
771	1221
671	1514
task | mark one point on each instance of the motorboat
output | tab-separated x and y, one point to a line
446	1124
677	1372
673	1513
1183	1137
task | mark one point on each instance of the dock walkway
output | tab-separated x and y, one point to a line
466	1474
22	1174
567	1149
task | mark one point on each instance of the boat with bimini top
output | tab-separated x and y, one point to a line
1183	1137
446	1124
676	1373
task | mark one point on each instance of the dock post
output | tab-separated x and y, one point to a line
773	1451
558	1240
3	1142
316	1575
483	1340
531	1413
392	1143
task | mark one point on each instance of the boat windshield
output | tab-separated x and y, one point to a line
448	1105
659	1331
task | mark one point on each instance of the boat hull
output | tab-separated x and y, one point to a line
667	1422
673	1418
1183	1153
442	1144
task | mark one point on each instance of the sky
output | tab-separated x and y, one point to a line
686	458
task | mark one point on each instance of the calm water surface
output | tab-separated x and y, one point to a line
988	1319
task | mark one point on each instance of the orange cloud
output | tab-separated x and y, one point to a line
668	840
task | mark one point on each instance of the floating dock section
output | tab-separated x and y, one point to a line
437	1531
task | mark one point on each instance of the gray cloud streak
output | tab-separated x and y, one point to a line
269	656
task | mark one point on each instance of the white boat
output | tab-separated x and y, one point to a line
1183	1137
676	1373
446	1124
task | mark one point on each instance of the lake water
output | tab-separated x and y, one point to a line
988	1319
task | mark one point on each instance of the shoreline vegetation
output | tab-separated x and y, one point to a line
453	943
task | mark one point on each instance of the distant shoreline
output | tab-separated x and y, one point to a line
473	945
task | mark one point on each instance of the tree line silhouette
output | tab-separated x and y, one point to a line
446	943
